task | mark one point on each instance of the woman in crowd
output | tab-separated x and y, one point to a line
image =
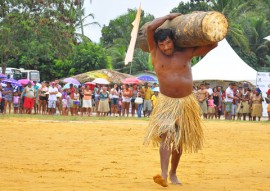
126	98
114	99
87	101
76	102
103	107
256	104
134	106
42	98
217	101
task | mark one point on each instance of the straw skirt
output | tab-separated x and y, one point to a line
180	119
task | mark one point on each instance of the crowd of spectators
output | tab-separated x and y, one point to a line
235	102
50	98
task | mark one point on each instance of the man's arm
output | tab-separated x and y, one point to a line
23	92
203	50
151	28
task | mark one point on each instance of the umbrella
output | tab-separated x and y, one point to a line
3	76
132	81
3	85
100	81
156	89
12	81
91	85
267	38
25	81
71	81
147	78
58	94
67	86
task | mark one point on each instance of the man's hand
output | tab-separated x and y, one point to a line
173	15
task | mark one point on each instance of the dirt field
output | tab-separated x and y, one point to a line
39	154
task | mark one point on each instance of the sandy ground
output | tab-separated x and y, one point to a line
38	154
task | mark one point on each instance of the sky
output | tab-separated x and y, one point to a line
106	10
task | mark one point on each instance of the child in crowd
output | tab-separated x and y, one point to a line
76	102
211	107
154	99
120	105
64	102
69	103
16	102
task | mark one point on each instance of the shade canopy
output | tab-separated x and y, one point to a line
132	81
101	81
72	81
222	63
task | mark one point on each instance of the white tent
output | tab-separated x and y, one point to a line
267	38
222	63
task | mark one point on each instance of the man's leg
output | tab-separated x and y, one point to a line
174	164
164	153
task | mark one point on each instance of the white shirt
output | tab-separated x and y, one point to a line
230	92
53	96
210	91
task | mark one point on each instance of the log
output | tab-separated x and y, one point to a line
190	30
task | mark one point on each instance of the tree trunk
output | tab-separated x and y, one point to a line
190	30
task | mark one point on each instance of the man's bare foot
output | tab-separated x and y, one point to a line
174	179
159	180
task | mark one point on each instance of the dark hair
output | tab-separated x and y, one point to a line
161	34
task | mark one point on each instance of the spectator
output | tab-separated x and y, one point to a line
202	96
139	102
103	106
29	99
134	106
229	96
114	99
208	89
87	101
147	104
16	102
127	94
256	101
42	98
52	99
8	91
211	107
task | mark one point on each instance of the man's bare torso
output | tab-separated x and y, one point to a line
202	95
174	73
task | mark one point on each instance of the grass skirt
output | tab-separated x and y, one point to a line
180	119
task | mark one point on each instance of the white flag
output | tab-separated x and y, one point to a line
134	33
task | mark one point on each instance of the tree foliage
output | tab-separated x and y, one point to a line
116	37
248	25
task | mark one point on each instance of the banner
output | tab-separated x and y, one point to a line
263	82
134	33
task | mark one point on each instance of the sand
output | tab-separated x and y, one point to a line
38	154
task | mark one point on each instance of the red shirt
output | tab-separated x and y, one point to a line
72	91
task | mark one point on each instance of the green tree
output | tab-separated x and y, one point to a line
36	33
116	38
89	56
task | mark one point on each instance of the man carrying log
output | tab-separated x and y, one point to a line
175	123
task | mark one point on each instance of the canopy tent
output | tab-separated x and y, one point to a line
110	75
267	38
222	63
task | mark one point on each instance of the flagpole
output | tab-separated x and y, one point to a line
130	68
134	34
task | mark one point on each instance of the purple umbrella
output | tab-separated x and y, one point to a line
72	81
12	81
147	78
3	76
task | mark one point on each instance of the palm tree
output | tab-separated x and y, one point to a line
233	9
81	18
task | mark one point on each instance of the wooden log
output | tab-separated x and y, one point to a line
190	30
